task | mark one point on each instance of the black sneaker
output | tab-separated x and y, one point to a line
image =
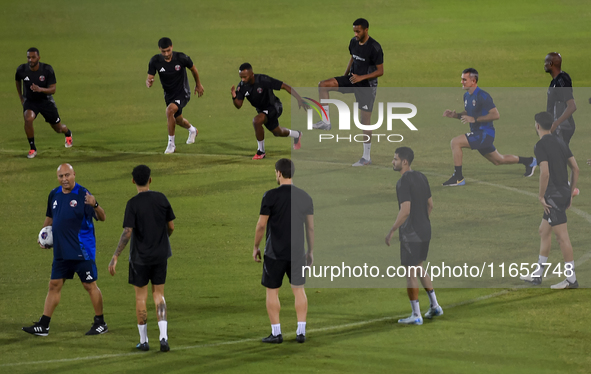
273	339
37	329
164	345
453	181
301	338
529	169
97	329
143	346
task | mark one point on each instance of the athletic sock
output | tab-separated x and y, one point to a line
526	160
69	133
32	143
458	172
540	271
573	277
163	326
143	329
99	319
192	128
432	299
301	328
276	329
261	144
44	321
416	310
367	151
294	134
171	139
327	119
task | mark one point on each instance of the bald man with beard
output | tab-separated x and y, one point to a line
561	103
71	209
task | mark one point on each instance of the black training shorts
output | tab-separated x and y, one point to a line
47	109
413	253
364	94
180	101
559	201
273	113
140	275
275	270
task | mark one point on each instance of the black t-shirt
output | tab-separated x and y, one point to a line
366	57
260	93
287	207
173	75
413	186
559	92
556	153
43	77
148	214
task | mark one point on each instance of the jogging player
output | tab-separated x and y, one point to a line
561	103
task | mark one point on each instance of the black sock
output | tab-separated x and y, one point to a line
99	320
526	160
44	321
32	143
458	172
69	133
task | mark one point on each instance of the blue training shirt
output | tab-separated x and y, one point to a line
477	105
73	229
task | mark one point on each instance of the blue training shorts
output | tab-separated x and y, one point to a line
65	269
480	141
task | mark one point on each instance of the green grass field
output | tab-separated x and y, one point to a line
216	307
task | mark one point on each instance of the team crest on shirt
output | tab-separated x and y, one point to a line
177	67
73	203
260	90
474	102
42	78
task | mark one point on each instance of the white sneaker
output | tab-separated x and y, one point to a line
170	149
531	279
192	136
321	125
412	320
362	162
564	285
434	312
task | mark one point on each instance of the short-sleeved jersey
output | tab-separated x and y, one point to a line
259	94
413	186
559	92
365	58
553	150
148	214
173	74
477	105
287	207
73	228
43	77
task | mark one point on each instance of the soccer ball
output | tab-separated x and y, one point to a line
46	237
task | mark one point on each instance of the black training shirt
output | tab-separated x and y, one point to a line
43	77
366	57
260	93
559	92
148	214
413	186
173	75
555	151
287	207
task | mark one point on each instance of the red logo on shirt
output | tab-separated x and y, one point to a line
42	78
259	90
177	67
73	203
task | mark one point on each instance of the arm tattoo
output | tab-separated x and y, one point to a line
143	317
125	236
161	310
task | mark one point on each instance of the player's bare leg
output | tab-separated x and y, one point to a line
171	110
141	295
566	248
184	123
54	295
301	307
273	309
324	88
257	123
498	159
435	309
95	296
366	157
457	144
161	313
545	232
412	289
29	117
